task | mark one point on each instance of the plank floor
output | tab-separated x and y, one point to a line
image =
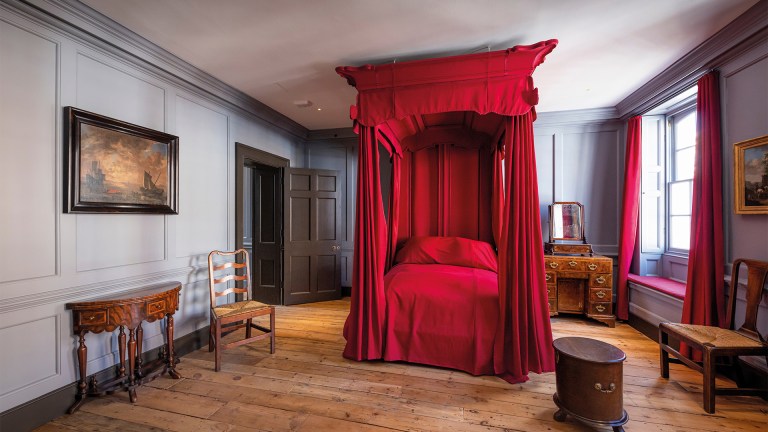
307	386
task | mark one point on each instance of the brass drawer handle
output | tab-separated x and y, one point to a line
610	389
548	291
548	277
572	263
600	308
91	318
592	267
553	264
600	294
600	280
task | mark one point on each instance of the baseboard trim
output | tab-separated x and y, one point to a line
45	408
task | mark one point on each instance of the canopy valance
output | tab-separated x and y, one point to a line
498	82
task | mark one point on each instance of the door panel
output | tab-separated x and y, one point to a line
266	218
313	227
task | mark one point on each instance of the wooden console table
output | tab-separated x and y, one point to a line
126	311
580	285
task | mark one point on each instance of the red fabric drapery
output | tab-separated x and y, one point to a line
497	195
394	209
704	302
524	337
365	323
630	212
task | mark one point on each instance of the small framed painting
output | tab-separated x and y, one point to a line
116	167
751	176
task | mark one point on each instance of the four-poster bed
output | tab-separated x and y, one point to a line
427	286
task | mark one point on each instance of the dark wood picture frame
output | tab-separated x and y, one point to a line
103	163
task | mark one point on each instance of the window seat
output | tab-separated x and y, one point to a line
667	286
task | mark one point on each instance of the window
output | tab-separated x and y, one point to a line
681	144
668	156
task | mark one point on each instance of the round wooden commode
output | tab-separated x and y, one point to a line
590	380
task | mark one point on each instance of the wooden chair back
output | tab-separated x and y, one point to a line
235	267
757	271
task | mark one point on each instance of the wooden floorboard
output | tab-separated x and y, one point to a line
308	386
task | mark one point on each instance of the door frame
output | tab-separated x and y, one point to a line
245	154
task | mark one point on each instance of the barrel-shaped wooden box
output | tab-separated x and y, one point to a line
589	378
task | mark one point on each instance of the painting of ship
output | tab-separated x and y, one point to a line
119	167
150	191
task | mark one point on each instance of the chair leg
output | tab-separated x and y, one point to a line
211	335
248	323
709	381
663	354
218	348
272	331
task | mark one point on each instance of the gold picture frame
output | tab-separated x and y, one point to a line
750	176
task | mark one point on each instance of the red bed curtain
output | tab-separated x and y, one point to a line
524	337
704	297
630	213
365	323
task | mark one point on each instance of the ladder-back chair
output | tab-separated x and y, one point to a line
231	274
714	342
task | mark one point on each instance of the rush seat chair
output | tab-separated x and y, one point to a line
230	273
715	342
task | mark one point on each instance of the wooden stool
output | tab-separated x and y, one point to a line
589	379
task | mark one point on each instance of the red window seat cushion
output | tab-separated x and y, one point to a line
667	286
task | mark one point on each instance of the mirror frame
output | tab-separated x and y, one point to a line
581	237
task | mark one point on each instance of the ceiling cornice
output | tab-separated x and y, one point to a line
744	32
581	116
77	20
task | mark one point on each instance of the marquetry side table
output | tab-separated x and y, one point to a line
589	378
126	311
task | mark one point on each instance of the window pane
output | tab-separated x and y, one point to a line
679	232
685	130
680	198
684	161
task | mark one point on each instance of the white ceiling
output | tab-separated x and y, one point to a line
284	51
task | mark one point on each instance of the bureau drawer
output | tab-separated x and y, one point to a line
599	308
550	277
552	306
551	291
597	295
601	280
92	317
600	266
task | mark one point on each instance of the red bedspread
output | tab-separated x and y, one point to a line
442	315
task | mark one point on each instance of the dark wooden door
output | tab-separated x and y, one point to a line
266	253
312	235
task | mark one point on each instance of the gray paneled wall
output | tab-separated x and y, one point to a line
582	160
48	258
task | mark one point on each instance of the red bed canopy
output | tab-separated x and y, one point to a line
470	114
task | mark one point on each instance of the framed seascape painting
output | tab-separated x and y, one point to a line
116	167
751	176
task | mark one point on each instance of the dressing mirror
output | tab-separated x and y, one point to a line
566	221
566	229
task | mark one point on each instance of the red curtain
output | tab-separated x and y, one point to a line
704	302
365	324
524	336
630	212
394	209
497	195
